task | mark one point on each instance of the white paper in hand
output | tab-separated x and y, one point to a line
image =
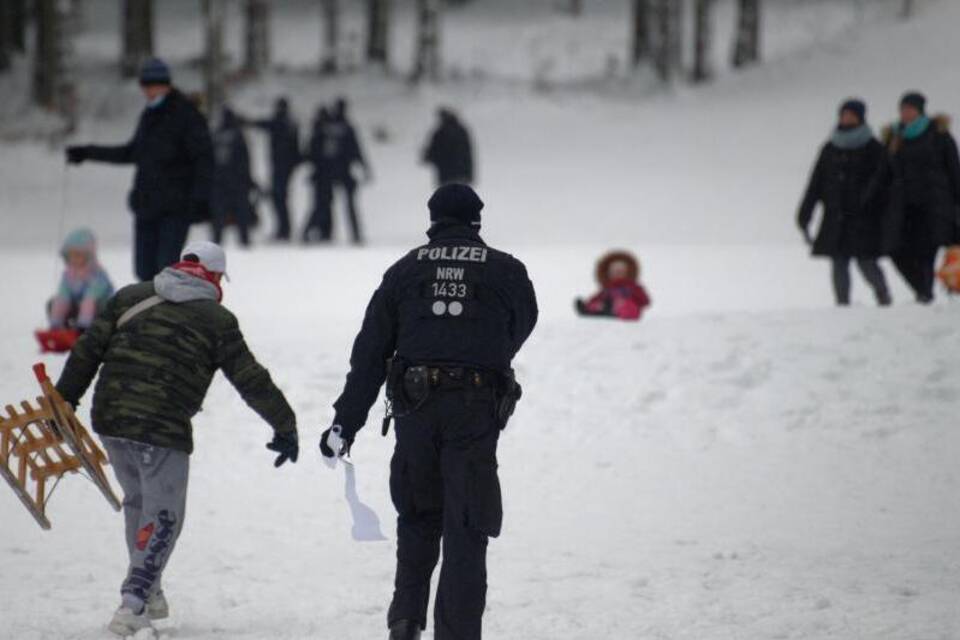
335	442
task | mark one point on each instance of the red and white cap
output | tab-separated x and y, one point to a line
210	255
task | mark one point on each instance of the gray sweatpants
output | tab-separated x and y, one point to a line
154	483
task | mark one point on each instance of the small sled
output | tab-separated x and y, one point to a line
949	273
56	340
43	444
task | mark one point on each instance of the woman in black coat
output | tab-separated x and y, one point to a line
922	175
840	180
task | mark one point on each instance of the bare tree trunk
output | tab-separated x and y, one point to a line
427	62
52	86
5	36
641	32
907	10
378	31
746	50
329	61
137	35
214	72
257	37
703	33
18	24
576	8
668	49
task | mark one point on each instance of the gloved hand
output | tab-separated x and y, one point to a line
77	154
333	444
287	445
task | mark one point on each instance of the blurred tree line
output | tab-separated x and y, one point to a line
41	29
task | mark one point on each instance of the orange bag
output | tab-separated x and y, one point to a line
949	273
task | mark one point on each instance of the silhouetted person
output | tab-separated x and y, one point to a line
284	158
450	150
341	151
232	182
320	224
173	155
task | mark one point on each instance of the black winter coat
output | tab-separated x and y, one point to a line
840	180
284	143
452	301
172	151
451	152
923	178
341	150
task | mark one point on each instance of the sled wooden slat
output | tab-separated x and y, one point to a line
38	446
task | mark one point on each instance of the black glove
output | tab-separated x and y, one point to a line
76	155
287	445
346	441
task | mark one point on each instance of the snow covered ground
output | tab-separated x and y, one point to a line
747	463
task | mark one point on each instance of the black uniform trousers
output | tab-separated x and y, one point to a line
444	484
353	217
279	192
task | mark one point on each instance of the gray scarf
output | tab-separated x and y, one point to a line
176	286
852	138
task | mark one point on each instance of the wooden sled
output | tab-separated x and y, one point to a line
44	443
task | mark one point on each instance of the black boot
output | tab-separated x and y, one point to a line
405	630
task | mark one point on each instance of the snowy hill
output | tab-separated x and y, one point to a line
747	463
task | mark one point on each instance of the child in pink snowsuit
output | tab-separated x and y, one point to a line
621	296
84	288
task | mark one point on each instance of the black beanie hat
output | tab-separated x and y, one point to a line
456	202
857	106
915	99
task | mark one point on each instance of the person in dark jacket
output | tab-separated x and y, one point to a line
849	230
341	151
449	317
319	227
450	150
922	173
284	157
232	181
157	346
172	151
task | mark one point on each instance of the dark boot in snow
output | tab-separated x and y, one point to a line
405	630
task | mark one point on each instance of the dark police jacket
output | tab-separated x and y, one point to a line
174	157
454	300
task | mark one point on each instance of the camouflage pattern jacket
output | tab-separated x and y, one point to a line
158	366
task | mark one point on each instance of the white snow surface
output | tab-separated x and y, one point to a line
747	463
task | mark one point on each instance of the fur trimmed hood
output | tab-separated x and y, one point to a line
893	140
603	266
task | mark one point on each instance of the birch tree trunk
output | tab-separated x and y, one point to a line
427	60
214	72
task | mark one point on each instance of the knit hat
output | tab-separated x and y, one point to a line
914	99
209	254
80	240
456	202
154	71
857	106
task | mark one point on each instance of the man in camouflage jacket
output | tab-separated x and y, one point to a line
157	345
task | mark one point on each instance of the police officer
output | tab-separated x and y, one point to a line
441	330
284	158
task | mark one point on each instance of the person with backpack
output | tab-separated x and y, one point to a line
157	346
